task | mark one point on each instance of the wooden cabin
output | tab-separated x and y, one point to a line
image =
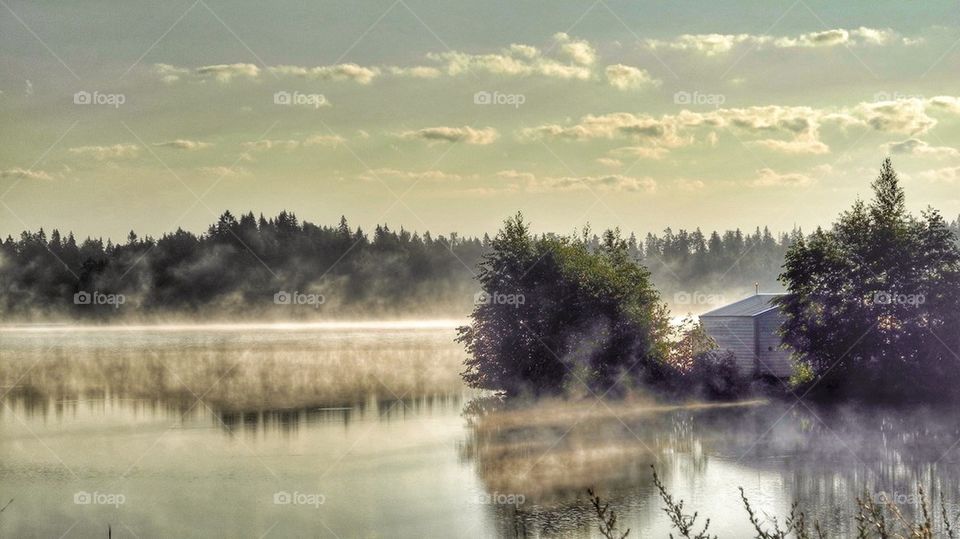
748	329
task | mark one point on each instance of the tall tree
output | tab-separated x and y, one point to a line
874	303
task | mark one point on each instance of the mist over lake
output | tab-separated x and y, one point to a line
391	445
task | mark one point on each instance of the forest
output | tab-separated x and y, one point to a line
237	267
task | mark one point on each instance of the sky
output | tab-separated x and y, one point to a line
450	116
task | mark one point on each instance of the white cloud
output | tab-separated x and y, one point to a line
640	152
267	144
610	162
942	175
417	176
798	146
101	153
22	173
573	61
577	51
826	38
706	44
624	77
223	171
607	182
416	72
467	135
169	73
767	177
182	144
905	116
784	129
338	72
331	141
914	146
946	102
227	72
716	44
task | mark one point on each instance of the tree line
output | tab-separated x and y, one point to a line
237	266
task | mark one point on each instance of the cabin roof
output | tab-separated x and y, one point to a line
748	307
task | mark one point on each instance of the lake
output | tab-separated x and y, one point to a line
365	430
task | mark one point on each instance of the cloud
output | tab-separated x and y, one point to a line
826	38
640	152
609	126
568	59
905	116
416	176
794	147
101	153
227	72
786	129
942	175
169	73
464	134
337	72
945	102
578	51
22	173
267	144
607	182
573	61
610	162
716	44
624	77
223	171
330	141
416	72
767	177
182	144
706	44
517	176
914	146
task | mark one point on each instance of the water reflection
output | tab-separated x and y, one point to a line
822	458
199	429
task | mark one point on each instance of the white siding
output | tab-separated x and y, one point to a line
734	334
773	358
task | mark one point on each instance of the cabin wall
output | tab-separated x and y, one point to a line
734	334
773	358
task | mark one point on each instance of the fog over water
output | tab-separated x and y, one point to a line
202	430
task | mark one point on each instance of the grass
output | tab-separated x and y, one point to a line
873	520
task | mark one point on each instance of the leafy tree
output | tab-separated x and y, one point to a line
873	308
555	314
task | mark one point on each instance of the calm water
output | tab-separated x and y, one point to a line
366	431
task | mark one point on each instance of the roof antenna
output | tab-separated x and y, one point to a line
756	287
